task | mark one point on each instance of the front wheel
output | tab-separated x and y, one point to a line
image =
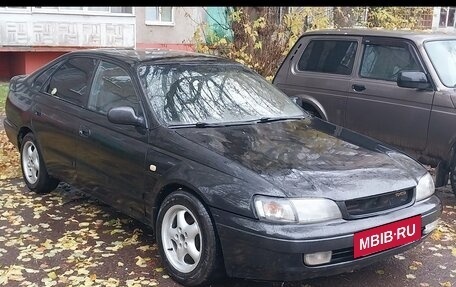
187	240
33	168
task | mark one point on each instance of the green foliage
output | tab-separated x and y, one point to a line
260	40
397	17
3	94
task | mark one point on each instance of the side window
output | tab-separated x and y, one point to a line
44	76
384	62
328	56
71	80
112	87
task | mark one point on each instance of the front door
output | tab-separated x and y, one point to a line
111	157
378	107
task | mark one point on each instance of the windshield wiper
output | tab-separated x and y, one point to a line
196	125
273	119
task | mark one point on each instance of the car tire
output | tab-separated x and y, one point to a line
187	240
34	171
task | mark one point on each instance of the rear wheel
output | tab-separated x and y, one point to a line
187	240
34	171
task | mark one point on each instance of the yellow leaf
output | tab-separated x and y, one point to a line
140	261
52	275
445	284
159	269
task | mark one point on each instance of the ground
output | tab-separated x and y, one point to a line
66	238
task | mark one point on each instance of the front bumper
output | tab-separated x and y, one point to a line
254	249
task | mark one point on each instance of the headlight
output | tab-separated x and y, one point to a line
425	187
302	210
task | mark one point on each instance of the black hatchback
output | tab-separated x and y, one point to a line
232	175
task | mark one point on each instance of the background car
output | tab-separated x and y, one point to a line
395	86
232	175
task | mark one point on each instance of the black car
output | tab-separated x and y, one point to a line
233	176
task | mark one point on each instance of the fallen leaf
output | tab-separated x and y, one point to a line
52	275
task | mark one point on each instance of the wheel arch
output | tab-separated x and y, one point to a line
170	187
307	100
21	134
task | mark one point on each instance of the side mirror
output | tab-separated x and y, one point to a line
125	116
413	80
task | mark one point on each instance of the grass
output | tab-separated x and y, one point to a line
3	94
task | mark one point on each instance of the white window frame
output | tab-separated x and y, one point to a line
83	11
447	16
159	22
15	10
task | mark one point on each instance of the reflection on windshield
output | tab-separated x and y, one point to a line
443	58
212	93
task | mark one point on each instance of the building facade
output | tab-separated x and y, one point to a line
33	36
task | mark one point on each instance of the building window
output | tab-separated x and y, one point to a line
447	17
14	9
159	16
85	10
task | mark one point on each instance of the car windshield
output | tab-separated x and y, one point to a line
188	94
443	58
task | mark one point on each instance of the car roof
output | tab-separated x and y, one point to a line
131	55
416	36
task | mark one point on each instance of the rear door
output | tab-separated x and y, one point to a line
111	157
320	74
377	106
56	115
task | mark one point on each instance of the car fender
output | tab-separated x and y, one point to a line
307	99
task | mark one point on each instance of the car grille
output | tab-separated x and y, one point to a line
342	255
373	204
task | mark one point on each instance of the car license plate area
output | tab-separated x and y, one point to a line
387	236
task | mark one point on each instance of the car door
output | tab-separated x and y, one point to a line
321	74
111	157
63	90
377	106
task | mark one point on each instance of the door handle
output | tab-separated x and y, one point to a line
84	131
358	88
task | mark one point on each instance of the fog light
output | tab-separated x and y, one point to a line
318	258
431	226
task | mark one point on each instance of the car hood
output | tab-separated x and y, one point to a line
310	158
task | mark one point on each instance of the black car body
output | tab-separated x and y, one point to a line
234	178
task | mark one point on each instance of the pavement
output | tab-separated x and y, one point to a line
67	238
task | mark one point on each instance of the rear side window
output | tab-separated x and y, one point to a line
384	62
71	80
328	56
44	76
